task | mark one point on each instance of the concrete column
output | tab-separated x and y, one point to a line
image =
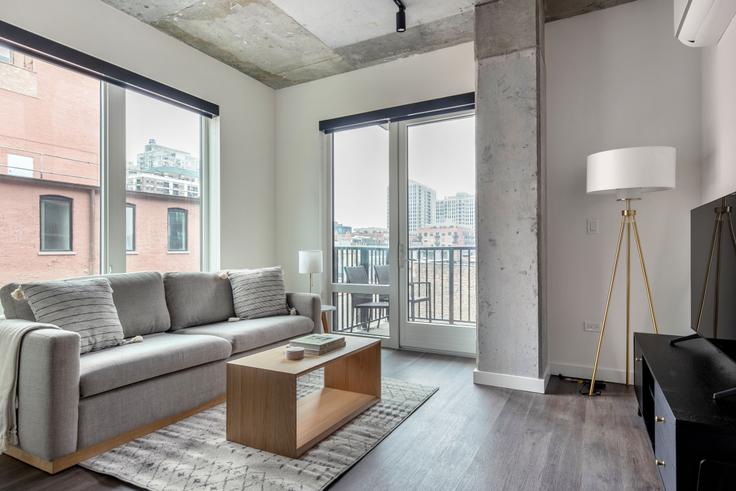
509	37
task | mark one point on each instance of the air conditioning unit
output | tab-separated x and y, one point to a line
701	23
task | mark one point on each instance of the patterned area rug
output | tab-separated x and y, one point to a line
194	455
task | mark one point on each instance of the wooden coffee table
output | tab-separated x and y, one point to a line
263	411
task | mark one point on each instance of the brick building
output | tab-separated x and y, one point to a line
50	183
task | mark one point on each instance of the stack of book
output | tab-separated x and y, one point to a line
319	344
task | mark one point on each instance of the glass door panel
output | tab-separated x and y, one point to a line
439	265
163	186
361	269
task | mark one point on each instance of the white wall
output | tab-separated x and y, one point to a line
719	117
246	107
617	78
299	109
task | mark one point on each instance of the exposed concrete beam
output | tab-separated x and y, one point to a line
562	9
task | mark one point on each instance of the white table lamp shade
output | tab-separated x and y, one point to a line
310	262
631	171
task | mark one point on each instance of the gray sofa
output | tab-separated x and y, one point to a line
69	402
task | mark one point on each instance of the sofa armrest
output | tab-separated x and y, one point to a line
308	305
48	393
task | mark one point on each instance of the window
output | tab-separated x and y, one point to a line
20	165
56	224
6	56
129	228
177	230
49	172
52	153
164	181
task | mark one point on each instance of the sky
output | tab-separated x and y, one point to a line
441	156
171	126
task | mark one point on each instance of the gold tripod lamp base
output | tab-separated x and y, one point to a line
628	172
628	223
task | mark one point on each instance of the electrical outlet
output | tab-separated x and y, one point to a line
591	226
591	326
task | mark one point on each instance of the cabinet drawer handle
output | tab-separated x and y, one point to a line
659	419
638	359
659	463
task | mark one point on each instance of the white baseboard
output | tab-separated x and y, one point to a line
613	375
516	382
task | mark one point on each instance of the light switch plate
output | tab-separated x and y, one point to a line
591	226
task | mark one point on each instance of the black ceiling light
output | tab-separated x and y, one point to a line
400	16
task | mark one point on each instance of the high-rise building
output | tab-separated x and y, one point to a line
155	155
422	201
458	210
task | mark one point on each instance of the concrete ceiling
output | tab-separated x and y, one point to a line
288	42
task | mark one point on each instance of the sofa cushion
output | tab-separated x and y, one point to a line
250	334
158	354
139	299
195	299
141	303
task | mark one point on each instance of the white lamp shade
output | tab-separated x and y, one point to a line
310	261
637	169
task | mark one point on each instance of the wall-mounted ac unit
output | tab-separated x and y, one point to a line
702	22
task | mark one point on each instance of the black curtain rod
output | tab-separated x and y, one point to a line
443	105
40	47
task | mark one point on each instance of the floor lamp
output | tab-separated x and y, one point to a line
629	172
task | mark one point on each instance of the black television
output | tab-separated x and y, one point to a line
713	276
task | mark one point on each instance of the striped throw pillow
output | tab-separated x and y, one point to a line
258	292
82	306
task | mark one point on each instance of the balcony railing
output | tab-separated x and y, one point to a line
441	286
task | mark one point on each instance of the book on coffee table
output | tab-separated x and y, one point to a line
319	344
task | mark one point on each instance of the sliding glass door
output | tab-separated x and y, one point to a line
402	231
437	238
361	233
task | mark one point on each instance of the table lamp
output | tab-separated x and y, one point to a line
310	262
628	173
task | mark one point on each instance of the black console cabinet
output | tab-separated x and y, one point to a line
693	436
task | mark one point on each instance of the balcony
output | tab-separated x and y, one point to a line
441	286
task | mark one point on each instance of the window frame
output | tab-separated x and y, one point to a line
134	208
185	235
41	222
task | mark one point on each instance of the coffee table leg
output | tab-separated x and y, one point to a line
359	372
261	409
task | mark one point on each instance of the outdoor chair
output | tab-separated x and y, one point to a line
363	303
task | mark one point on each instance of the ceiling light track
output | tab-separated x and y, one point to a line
400	16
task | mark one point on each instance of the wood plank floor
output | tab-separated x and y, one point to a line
470	437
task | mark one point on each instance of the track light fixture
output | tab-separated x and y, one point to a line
400	16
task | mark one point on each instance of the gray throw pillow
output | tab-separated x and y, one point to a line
258	292
83	306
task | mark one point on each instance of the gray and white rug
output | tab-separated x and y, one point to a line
194	455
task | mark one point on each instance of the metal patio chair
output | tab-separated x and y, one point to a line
363	302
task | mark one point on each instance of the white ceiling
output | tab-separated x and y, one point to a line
339	23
